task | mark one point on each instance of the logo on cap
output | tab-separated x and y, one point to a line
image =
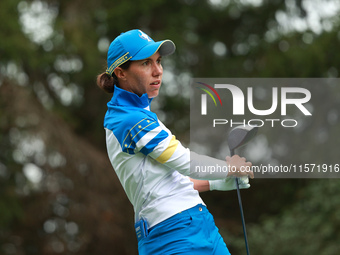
144	36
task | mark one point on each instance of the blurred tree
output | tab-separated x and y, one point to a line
303	228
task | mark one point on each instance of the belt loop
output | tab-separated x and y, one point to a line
141	228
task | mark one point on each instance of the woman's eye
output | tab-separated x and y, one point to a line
145	63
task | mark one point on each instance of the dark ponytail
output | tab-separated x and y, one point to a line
107	82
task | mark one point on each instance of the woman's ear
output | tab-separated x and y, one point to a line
119	72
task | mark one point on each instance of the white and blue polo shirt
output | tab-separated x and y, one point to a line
149	161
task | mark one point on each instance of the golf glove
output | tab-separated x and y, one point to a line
229	183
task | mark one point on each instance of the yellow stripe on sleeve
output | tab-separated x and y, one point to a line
164	157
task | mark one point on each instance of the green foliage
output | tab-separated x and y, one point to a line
13	43
309	226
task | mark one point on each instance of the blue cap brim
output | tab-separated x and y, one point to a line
165	48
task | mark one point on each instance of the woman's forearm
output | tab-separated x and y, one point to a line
201	185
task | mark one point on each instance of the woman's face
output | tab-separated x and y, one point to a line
143	76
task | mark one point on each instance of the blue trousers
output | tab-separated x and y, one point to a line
192	231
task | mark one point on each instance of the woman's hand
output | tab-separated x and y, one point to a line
239	167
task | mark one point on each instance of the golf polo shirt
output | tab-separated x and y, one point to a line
149	161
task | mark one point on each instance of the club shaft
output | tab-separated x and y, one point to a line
232	153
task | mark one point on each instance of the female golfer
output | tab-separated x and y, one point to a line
156	171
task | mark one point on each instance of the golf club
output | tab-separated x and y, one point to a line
237	137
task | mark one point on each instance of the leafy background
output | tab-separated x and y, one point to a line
59	193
